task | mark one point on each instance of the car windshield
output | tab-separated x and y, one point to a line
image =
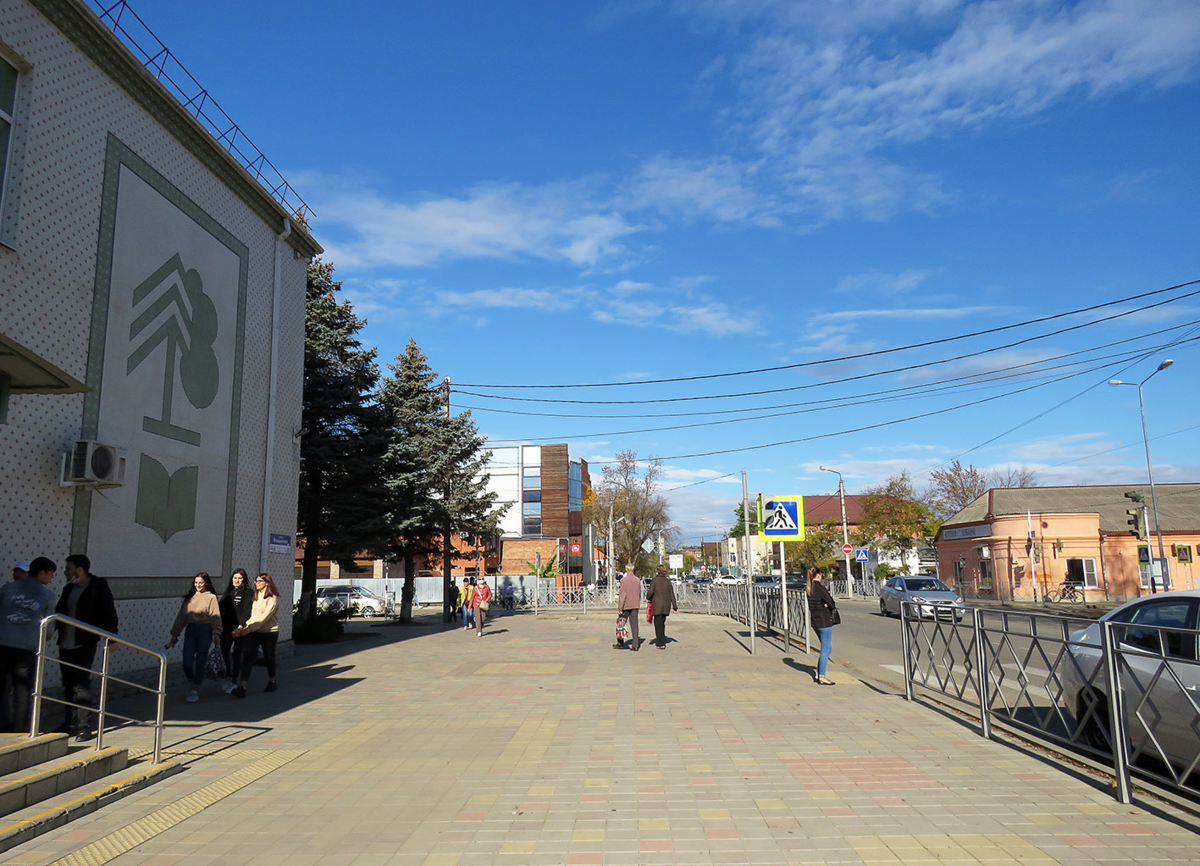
925	584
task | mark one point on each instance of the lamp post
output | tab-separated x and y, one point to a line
1162	553
845	531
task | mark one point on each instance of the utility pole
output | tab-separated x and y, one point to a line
608	563
845	532
447	553
746	559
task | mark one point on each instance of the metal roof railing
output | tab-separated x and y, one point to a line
156	57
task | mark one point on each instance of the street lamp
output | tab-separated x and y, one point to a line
1162	553
845	531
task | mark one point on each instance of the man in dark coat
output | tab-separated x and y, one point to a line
662	601
88	599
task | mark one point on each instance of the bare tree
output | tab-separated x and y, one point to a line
954	488
631	488
1013	476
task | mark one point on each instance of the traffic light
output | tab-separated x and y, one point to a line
1135	521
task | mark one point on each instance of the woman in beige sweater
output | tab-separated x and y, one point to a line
261	630
199	620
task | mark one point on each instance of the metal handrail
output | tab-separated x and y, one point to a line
107	639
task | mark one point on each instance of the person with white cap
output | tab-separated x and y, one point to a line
21	569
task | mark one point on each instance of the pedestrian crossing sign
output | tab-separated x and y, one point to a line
781	518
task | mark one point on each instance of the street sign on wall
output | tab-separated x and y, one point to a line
781	519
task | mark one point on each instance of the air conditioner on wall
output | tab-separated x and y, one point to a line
93	464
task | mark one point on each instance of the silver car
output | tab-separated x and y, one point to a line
1159	677
932	598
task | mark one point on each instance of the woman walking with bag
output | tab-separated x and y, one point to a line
481	601
199	619
661	599
822	611
260	631
236	604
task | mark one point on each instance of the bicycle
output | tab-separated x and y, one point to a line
1066	592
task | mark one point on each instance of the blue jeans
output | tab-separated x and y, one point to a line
826	636
197	639
468	616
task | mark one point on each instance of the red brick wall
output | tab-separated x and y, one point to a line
515	552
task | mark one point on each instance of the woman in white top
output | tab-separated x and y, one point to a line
261	630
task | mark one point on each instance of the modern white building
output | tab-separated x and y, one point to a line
151	325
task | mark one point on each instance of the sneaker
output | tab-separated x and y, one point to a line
193	697
229	688
271	686
479	635
238	692
85	735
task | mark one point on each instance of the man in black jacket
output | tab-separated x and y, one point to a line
88	599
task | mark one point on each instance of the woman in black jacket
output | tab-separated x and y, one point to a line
820	609
235	610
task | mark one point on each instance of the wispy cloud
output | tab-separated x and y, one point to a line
878	282
905	313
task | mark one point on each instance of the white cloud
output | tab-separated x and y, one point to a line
905	313
875	281
545	300
554	222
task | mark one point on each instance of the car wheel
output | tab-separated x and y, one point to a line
883	611
1095	730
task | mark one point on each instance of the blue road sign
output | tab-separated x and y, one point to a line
860	555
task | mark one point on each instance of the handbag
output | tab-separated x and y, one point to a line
214	665
485	605
837	616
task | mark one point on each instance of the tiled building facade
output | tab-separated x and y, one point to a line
152	301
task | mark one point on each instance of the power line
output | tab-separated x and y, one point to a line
872	354
904	369
925	387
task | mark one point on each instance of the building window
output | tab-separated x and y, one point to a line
532	478
8	113
958	574
1082	572
574	487
531	526
531	496
985	574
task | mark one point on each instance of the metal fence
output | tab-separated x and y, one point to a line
107	641
763	611
1126	694
863	587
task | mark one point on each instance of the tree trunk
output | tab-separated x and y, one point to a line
447	603
409	589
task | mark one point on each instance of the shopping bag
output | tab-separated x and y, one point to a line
214	665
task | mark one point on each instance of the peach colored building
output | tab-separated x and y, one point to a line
1019	543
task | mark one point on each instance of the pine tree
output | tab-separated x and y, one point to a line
345	436
412	400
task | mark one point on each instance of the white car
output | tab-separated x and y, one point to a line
929	596
1159	678
728	580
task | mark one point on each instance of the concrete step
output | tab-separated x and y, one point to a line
31	785
50	814
18	751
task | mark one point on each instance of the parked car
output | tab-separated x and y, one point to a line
1160	677
356	599
797	581
728	580
765	581
932	597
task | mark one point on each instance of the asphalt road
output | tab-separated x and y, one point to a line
868	643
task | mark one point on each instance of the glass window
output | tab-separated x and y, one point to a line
531	496
1156	615
532	482
985	574
531	526
1082	572
531	509
8	110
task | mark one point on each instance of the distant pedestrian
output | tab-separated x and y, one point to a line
481	601
662	597
88	599
629	601
464	603
23	605
199	619
821	610
236	605
261	632
509	592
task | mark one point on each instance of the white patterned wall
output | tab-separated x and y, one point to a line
46	293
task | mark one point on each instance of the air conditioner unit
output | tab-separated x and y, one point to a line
91	463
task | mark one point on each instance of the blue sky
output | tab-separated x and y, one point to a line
564	193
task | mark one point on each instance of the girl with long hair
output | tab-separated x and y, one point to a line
236	604
821	607
199	619
261	631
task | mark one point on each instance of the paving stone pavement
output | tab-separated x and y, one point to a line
538	744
